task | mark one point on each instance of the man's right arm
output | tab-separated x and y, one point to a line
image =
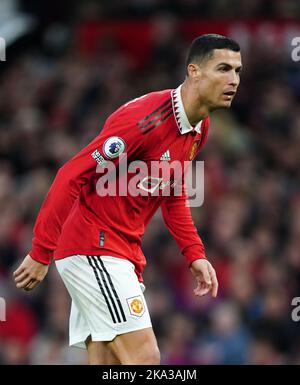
59	201
54	211
72	176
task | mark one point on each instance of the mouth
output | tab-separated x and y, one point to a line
229	93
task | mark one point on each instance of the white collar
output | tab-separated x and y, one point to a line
180	115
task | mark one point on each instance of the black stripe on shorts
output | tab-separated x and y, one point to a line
107	289
113	288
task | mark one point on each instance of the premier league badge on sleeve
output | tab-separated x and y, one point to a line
113	147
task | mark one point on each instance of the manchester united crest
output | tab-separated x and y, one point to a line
194	149
136	306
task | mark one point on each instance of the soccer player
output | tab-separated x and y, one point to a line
95	238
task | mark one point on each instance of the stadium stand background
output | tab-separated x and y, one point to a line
57	89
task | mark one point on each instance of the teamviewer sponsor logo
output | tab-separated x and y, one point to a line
2	49
156	178
2	309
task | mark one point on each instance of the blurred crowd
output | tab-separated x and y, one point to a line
52	106
221	9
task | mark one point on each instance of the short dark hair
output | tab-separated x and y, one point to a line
202	47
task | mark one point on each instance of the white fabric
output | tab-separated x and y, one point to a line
180	114
90	314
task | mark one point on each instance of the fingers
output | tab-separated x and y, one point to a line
24	282
206	275
202	289
19	270
29	274
215	285
28	284
21	276
207	280
31	285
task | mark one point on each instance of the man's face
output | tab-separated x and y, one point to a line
218	77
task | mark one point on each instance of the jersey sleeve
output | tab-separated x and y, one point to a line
119	135
178	219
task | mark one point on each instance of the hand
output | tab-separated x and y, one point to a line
30	273
206	277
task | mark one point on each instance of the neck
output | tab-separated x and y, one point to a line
195	109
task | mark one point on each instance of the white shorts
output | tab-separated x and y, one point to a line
107	298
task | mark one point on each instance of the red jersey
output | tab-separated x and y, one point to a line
74	219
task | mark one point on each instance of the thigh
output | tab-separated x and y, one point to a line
137	347
99	353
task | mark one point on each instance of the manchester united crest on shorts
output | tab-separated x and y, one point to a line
194	149
136	306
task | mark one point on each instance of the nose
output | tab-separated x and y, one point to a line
234	78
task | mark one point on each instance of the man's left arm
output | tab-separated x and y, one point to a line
178	219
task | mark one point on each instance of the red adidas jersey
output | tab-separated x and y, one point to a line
75	219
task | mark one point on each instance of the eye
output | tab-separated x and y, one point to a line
224	68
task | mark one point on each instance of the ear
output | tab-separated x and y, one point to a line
193	70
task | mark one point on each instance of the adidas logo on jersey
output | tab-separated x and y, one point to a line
166	156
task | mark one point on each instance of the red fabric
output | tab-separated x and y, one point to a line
73	215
